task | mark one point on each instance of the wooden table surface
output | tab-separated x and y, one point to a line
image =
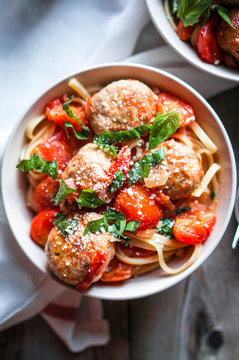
198	319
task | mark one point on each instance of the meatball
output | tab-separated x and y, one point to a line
80	260
89	169
122	105
227	37
179	173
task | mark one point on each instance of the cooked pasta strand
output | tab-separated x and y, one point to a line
79	88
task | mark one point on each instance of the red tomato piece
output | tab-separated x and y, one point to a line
98	263
45	193
184	33
136	203
41	226
194	227
168	102
55	112
117	271
135	252
207	45
57	148
122	161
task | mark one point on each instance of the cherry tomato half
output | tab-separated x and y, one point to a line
57	148
55	112
184	32
41	226
207	45
168	102
136	203
45	193
194	227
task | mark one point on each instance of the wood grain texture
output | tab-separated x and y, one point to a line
198	319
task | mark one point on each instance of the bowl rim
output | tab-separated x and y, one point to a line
193	267
178	44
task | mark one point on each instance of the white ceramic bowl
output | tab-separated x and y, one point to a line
183	48
14	182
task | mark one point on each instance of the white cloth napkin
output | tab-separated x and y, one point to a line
41	42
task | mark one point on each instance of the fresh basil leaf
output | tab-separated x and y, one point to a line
223	12
173	6
141	168
212	195
79	135
190	11
120	136
182	210
62	192
89	199
113	222
164	125
67	226
94	226
166	228
106	138
109	149
40	165
132	225
126	240
117	182
85	129
114	217
205	17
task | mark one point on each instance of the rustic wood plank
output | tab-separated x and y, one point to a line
117	312
154	329
208	326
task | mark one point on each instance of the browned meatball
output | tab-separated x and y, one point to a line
227	37
122	105
80	260
179	173
88	169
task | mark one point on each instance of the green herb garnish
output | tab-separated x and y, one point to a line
89	199
164	125
85	129
223	12
79	135
67	226
166	228
113	222
120	136
212	195
106	138
141	168
182	210
191	12
126	240
132	225
109	149
94	226
117	182
62	192
40	165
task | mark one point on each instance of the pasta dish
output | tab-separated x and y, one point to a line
122	180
